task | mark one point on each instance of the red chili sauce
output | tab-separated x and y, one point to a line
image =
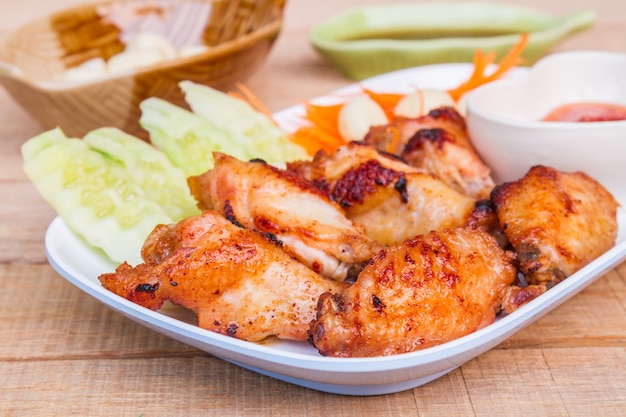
587	112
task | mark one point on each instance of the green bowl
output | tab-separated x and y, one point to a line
372	40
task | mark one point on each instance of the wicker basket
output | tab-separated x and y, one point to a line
238	33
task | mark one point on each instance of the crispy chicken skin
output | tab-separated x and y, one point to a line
454	161
391	200
326	169
446	118
427	291
517	295
262	197
165	239
557	223
406	206
238	282
437	143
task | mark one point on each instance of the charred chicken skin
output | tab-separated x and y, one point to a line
309	225
389	199
437	143
427	291
409	215
446	118
237	281
453	161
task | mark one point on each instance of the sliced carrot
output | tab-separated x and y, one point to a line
326	117
313	138
323	130
387	101
247	96
511	59
238	96
323	133
481	62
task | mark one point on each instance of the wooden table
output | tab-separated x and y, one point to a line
63	353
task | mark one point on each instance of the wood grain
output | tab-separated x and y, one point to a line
63	353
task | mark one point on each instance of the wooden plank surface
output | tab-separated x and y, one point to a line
63	353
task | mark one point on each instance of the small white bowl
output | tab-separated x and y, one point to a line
504	119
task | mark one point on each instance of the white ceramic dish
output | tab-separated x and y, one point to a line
297	362
504	119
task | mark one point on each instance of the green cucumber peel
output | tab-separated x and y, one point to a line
187	139
263	138
161	181
93	194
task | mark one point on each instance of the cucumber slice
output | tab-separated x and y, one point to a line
160	180
237	118
93	194
187	139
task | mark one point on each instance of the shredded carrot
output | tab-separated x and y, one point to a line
387	101
482	61
313	138
247	96
324	117
322	132
238	96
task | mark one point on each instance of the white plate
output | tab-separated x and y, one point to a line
297	362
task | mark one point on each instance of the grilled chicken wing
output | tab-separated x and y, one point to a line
391	200
310	225
437	143
238	282
426	291
557	223
455	162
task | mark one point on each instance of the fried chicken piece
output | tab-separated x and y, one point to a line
236	281
396	207
311	226
437	143
557	222
427	291
326	169
165	239
389	199
484	217
446	118
454	161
